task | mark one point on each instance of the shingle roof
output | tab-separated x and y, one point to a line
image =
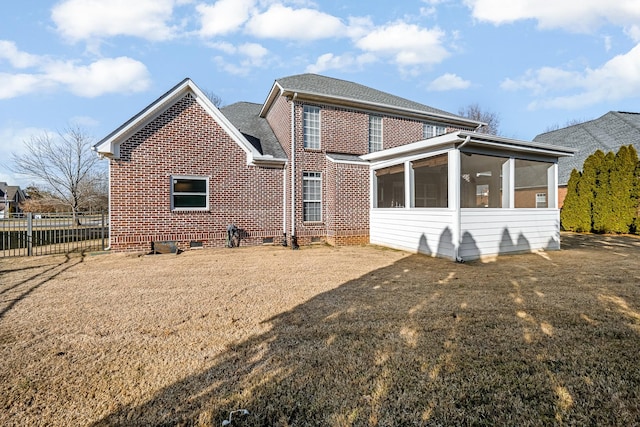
328	86
351	158
606	133
245	117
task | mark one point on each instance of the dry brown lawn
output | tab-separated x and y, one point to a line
351	336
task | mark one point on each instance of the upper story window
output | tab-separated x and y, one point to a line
429	130
311	120
375	133
189	193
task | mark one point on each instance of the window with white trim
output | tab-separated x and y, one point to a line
375	133
189	193
312	196
429	130
311	127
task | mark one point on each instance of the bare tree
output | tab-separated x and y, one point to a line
64	165
214	98
475	112
569	123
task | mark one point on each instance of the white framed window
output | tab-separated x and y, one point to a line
375	133
429	130
311	127
312	196
189	193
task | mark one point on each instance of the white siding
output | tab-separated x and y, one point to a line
499	231
483	232
427	231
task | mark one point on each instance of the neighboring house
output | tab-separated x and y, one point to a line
11	196
606	133
321	160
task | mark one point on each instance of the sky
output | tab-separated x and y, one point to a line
93	64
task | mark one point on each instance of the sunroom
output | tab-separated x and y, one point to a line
466	195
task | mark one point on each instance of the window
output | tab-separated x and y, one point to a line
390	187
431	182
531	183
429	130
481	181
375	133
312	196
189	193
311	119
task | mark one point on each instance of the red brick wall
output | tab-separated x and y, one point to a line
562	194
185	140
396	132
345	187
279	118
347	203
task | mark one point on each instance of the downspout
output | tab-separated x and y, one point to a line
284	206
293	171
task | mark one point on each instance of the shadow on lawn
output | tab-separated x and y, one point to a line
421	342
25	287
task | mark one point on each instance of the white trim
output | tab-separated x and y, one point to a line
189	177
347	162
317	176
110	146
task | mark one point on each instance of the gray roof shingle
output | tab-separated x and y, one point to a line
332	87
606	133
245	117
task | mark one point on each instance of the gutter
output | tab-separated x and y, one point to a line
341	100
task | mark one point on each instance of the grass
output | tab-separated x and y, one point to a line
528	340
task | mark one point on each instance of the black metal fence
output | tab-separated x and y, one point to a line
43	234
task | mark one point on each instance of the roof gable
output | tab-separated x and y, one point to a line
110	145
342	92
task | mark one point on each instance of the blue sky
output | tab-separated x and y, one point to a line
96	63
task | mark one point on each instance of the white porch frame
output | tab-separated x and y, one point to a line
467	233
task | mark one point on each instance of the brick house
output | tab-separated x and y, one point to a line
303	164
11	196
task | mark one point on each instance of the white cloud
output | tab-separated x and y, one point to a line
87	19
617	79
109	75
14	85
252	55
106	75
447	82
281	22
572	15
634	33
224	16
407	44
17	59
329	61
253	51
